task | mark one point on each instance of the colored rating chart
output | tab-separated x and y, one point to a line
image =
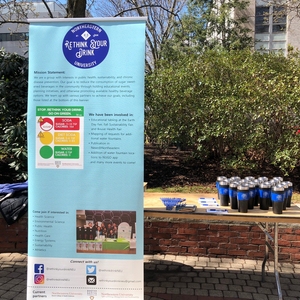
59	137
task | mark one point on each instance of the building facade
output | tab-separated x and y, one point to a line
14	36
274	28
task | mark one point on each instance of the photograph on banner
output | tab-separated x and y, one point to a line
103	231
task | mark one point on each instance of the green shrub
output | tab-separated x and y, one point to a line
13	108
239	107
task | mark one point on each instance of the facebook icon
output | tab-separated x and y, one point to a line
38	268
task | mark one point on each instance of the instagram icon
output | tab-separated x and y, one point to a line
39	279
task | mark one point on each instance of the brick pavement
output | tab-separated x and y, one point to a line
170	277
181	277
13	276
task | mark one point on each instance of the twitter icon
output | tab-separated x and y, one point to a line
91	269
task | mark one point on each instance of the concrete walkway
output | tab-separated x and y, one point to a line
171	277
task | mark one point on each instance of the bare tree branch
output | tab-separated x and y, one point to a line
13	22
146	6
48	9
161	16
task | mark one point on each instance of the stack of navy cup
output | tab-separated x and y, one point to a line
247	193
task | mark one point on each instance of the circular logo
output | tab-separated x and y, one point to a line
245	196
46	124
85	45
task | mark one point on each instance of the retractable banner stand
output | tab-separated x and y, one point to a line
85	147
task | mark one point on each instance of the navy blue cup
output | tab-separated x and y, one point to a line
233	195
289	194
251	195
264	195
262	179
256	197
277	197
219	179
224	192
243	198
285	195
278	179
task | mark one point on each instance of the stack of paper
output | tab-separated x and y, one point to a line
208	202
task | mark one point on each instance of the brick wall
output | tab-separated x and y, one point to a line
13	238
211	239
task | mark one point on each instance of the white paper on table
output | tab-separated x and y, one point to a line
217	210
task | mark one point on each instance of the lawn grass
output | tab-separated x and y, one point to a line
183	189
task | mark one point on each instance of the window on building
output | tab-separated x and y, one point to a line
16	36
270	29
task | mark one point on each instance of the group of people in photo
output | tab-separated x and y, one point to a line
94	230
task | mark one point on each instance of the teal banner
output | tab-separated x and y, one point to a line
85	163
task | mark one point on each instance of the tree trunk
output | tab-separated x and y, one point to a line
76	8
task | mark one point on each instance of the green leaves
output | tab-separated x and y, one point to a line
13	107
238	106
